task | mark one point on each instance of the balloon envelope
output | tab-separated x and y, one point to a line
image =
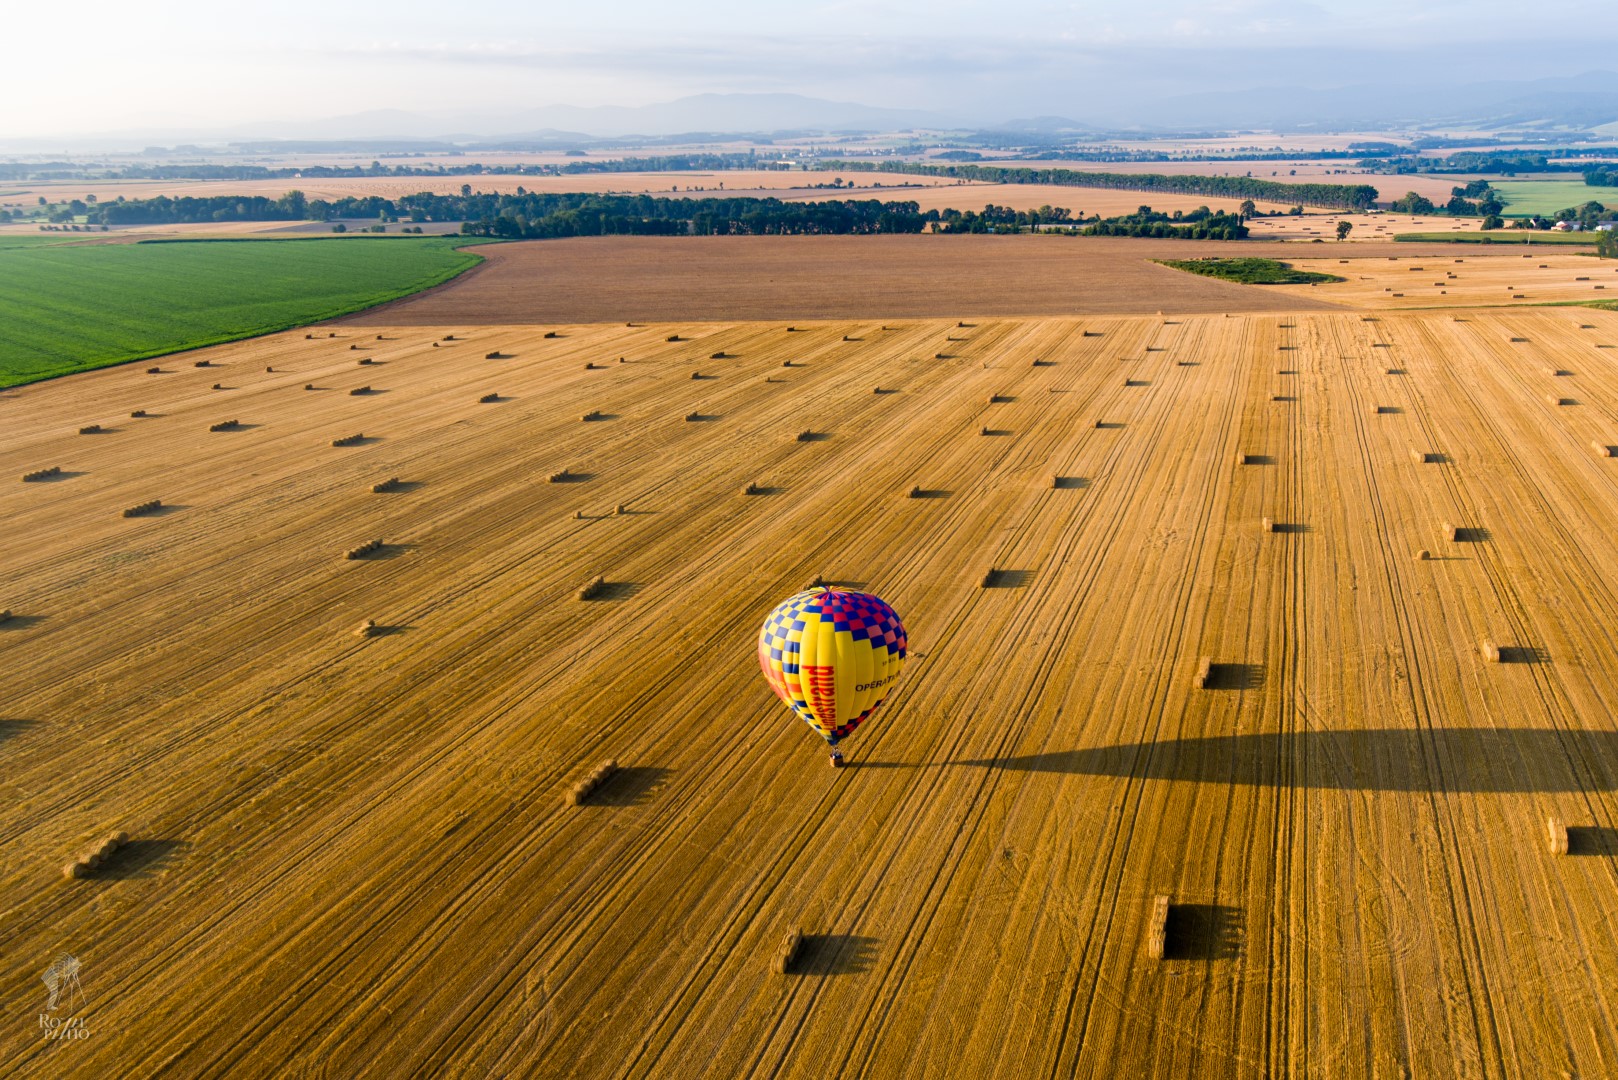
832	655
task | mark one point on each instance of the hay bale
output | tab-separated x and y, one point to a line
692	417
1269	526
1385	410
988	579
1157	928
76	869
489	398
1557	373
492	355
366	629
351	348
751	488
1249	459
137	414
203	363
593	414
672	337
1552	399
1490	651
90	429
358	390
1423	555
983	430
348	440
578	515
585	787
1601	449
5	615
696	374
939	356
786	363
1422	457
593	588
787	954
620	509
552	334
41	474
363	550
559	477
1204	676
720	355
1450	532
218	386
386	485
1556	833
915	492
806	435
225	425
308	386
151	506
154	371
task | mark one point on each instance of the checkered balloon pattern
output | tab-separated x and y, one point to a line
832	655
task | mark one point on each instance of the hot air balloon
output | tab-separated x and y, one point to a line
832	655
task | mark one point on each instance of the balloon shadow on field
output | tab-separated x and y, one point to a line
834	954
1379	759
1203	932
633	785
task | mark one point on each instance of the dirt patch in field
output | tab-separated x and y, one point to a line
613	279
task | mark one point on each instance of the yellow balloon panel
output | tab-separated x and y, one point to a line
832	655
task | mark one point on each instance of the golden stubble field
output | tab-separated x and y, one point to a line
1546	275
351	855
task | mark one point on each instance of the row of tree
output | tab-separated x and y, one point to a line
539	215
1330	196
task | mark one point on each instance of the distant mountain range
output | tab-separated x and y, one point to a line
1587	102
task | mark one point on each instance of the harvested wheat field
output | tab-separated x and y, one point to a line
1460	279
399	799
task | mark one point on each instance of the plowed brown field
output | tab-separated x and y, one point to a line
610	279
351	856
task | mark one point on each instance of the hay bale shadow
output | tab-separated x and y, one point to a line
1258	459
932	493
389	551
1235	676
57	477
1203	932
629	786
574	477
1008	579
1109	425
1283	397
1523	654
887	390
404	487
1070	483
815	436
618	590
1291	528
997	432
137	859
703	418
1591	840
389	631
1471	535
21	622
760	489
10	729
834	954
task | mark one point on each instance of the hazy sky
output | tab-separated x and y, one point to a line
100	67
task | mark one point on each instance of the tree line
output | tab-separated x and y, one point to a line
1330	196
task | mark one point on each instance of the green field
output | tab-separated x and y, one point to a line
67	308
1500	236
1249	271
1546	197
